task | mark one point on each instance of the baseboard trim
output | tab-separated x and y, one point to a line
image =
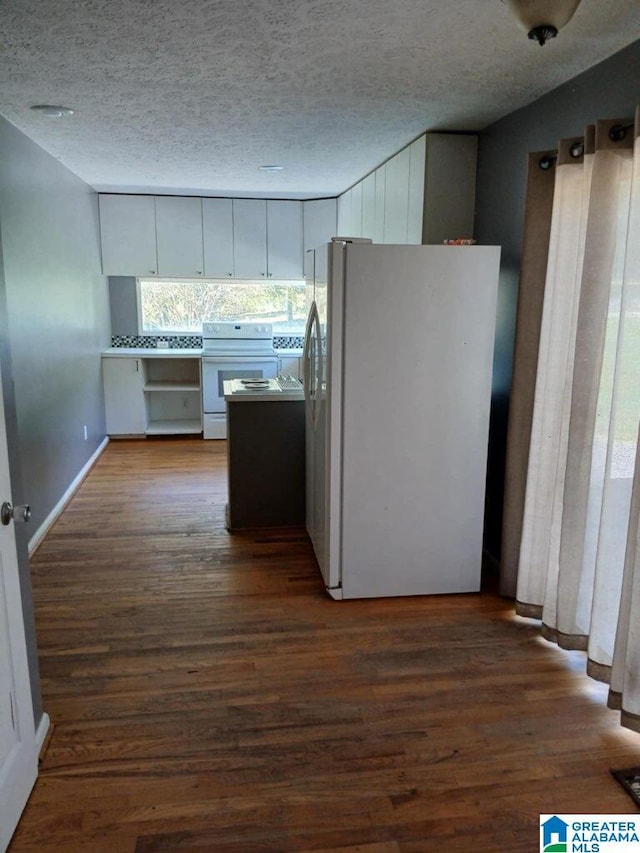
49	521
43	735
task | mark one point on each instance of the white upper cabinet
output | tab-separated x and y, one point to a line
350	212
424	194
369	206
396	200
319	226
284	240
378	216
217	231
344	214
179	236
320	222
250	237
128	235
416	190
356	211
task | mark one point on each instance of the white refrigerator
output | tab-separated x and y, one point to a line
397	372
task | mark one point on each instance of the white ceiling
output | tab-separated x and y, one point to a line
191	96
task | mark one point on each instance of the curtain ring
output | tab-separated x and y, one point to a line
618	132
577	149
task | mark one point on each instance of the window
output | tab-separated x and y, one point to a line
178	306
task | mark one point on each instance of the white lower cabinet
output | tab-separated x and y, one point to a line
153	395
289	365
124	396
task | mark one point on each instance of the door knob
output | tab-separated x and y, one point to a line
22	512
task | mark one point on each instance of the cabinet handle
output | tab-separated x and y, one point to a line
198	272
152	272
261	273
270	274
229	273
137	365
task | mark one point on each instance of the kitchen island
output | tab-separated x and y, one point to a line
266	458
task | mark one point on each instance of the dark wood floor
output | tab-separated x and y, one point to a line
208	696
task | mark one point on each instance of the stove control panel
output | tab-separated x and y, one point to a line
237	331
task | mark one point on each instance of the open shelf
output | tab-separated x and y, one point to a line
169	385
181	426
172	394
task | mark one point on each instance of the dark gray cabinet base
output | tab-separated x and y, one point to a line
266	461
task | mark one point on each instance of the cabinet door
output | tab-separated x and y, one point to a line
124	396
378	221
369	205
250	238
179	234
320	222
217	231
284	239
396	200
344	214
416	190
355	229
128	235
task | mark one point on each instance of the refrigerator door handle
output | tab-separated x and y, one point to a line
320	369
309	370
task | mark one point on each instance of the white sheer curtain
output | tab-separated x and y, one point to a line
579	567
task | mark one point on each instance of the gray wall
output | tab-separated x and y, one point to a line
17	495
123	300
609	90
56	324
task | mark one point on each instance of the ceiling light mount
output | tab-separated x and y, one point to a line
542	19
543	33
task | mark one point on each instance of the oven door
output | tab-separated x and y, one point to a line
215	370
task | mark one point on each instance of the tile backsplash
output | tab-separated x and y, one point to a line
192	341
150	341
288	341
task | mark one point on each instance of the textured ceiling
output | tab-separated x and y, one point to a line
191	96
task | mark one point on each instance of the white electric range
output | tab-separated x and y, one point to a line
232	350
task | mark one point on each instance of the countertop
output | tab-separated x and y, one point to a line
150	352
259	396
289	353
